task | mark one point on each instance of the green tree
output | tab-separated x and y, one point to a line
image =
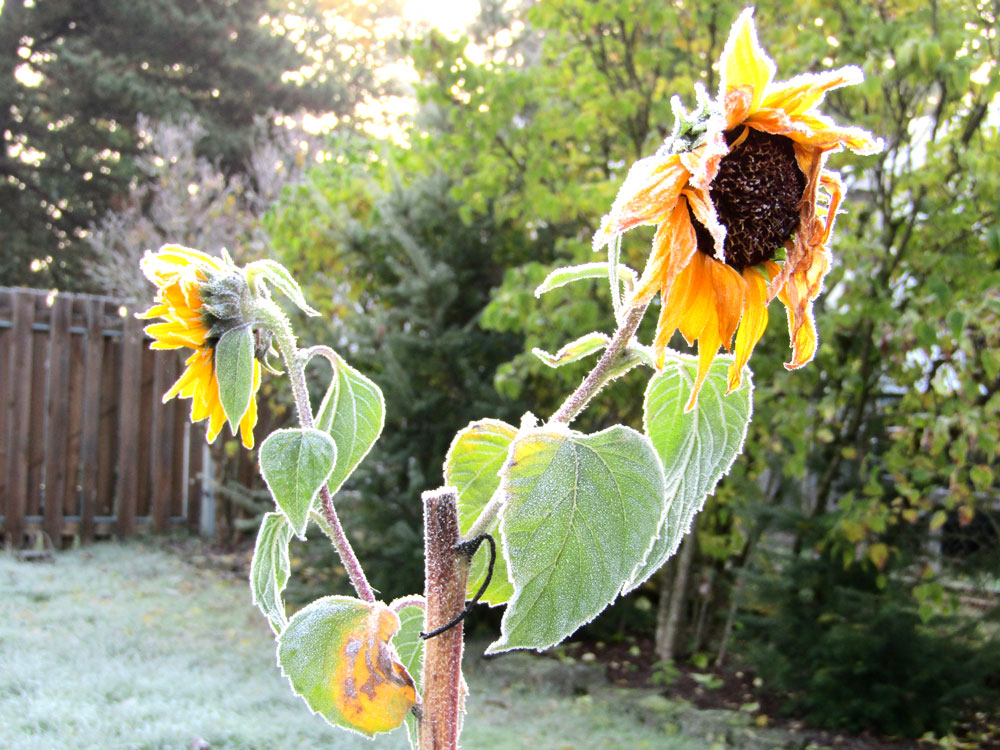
74	76
895	422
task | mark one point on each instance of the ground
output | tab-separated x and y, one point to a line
156	645
133	646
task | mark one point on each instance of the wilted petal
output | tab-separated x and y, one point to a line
745	71
648	195
803	92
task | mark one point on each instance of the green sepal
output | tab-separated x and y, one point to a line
295	464
574	351
234	357
568	274
279	277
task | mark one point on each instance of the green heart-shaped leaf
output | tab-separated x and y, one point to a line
295	464
696	448
582	511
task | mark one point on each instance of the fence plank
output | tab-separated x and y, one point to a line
55	458
19	416
35	434
6	357
74	422
129	408
110	385
144	456
162	443
196	452
90	430
178	484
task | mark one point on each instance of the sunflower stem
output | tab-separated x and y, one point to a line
295	363
607	368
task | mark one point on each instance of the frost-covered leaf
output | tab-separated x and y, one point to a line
581	513
696	448
277	275
294	464
234	373
270	567
574	350
568	274
353	413
337	654
410	648
472	467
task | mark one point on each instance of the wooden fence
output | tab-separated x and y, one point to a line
86	446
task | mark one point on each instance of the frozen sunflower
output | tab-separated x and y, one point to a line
198	298
741	179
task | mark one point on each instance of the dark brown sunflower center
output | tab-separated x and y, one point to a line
756	195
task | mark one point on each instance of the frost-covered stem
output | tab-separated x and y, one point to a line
446	570
485	518
604	370
295	362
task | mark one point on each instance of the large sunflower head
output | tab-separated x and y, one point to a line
199	298
741	181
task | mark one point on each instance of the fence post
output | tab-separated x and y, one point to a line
19	416
58	413
128	425
90	432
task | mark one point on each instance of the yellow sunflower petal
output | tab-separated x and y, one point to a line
703	162
171	334
184	256
745	71
673	246
729	290
249	420
708	347
803	92
216	420
704	211
647	196
752	325
155	311
801	327
698	308
818	131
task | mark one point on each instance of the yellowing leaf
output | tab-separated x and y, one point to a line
338	656
878	553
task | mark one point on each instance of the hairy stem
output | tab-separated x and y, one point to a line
607	368
446	570
295	363
615	362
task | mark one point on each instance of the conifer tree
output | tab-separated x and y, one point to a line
75	75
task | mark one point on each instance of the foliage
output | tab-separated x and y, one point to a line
75	77
851	654
579	514
415	277
895	421
186	198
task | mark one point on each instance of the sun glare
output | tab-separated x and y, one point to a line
450	16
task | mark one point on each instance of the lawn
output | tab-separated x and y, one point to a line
131	646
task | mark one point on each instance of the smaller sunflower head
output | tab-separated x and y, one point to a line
200	298
740	183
